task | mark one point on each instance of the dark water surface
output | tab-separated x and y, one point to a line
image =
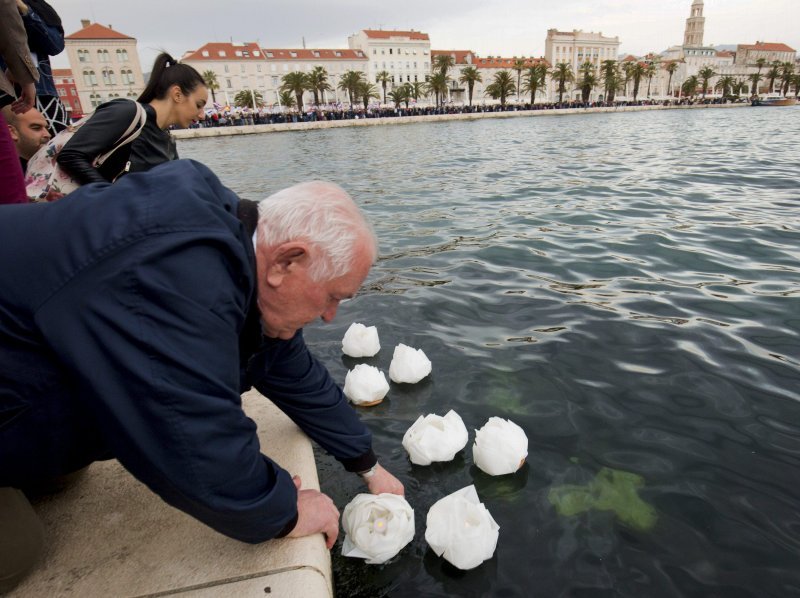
625	287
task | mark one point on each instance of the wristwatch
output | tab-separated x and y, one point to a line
370	472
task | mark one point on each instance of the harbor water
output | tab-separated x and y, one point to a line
626	288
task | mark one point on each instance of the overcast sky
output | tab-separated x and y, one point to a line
507	28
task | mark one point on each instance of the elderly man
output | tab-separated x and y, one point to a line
28	131
160	300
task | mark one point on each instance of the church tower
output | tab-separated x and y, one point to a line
695	24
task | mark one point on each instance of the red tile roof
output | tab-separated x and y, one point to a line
497	62
381	34
62	72
725	54
767	47
250	48
98	31
314	54
459	55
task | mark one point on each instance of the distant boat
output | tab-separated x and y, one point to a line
774	101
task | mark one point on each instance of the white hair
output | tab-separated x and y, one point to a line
323	215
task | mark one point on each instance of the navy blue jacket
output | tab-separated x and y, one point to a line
129	329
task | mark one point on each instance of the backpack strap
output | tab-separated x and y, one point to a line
130	134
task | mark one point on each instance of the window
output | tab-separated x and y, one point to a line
246	53
222	53
270	55
256	53
338	54
122	55
227	68
205	53
131	94
73	91
274	82
293	54
242	68
273	67
89	78
228	83
83	55
95	100
103	56
62	91
316	54
258	68
238	53
108	77
374	51
390	50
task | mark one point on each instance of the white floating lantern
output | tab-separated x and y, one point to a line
500	447
409	365
377	527
361	341
461	529
365	385
435	438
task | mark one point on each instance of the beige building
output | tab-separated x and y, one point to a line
771	52
405	55
575	48
246	66
695	26
105	64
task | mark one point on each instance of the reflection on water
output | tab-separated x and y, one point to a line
626	288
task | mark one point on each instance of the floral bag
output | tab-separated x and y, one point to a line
45	180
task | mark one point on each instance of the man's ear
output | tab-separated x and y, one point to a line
287	259
14	133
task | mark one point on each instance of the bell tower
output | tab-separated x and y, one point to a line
695	24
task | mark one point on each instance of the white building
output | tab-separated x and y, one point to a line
246	66
575	48
405	55
105	64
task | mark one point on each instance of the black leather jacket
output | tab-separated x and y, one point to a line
99	134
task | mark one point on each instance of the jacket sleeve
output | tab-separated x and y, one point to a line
95	137
14	48
150	331
41	36
293	379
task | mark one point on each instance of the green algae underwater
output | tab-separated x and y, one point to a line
610	490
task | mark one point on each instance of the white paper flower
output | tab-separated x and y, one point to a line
365	385
361	341
500	447
409	365
435	438
377	527
461	529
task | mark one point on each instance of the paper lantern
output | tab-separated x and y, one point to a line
500	447
435	438
361	341
408	365
377	527
365	385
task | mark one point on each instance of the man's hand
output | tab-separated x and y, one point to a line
383	481
315	513
26	100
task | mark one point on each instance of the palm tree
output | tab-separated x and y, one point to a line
248	99
787	75
366	91
609	72
519	66
416	90
726	84
317	81
286	99
638	71
349	82
399	95
297	83
210	77
443	63
437	85
627	68
797	85
587	80
670	67
706	73
649	72
689	86
501	87
535	79
562	74
470	76
383	78
754	79
773	73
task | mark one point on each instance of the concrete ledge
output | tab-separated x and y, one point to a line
408	120
108	535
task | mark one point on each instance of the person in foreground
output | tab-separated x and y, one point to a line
130	326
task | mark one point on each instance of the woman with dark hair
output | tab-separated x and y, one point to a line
175	96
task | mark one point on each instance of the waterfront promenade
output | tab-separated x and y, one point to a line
403	120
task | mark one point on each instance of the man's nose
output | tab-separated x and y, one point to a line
330	312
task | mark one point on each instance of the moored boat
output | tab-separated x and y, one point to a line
774	101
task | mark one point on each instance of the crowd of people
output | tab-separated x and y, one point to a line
137	307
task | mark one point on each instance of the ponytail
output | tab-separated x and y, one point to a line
168	72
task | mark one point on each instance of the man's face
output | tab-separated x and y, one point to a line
289	299
29	133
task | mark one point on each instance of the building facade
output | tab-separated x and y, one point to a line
575	48
405	55
68	92
695	26
105	64
771	52
246	66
